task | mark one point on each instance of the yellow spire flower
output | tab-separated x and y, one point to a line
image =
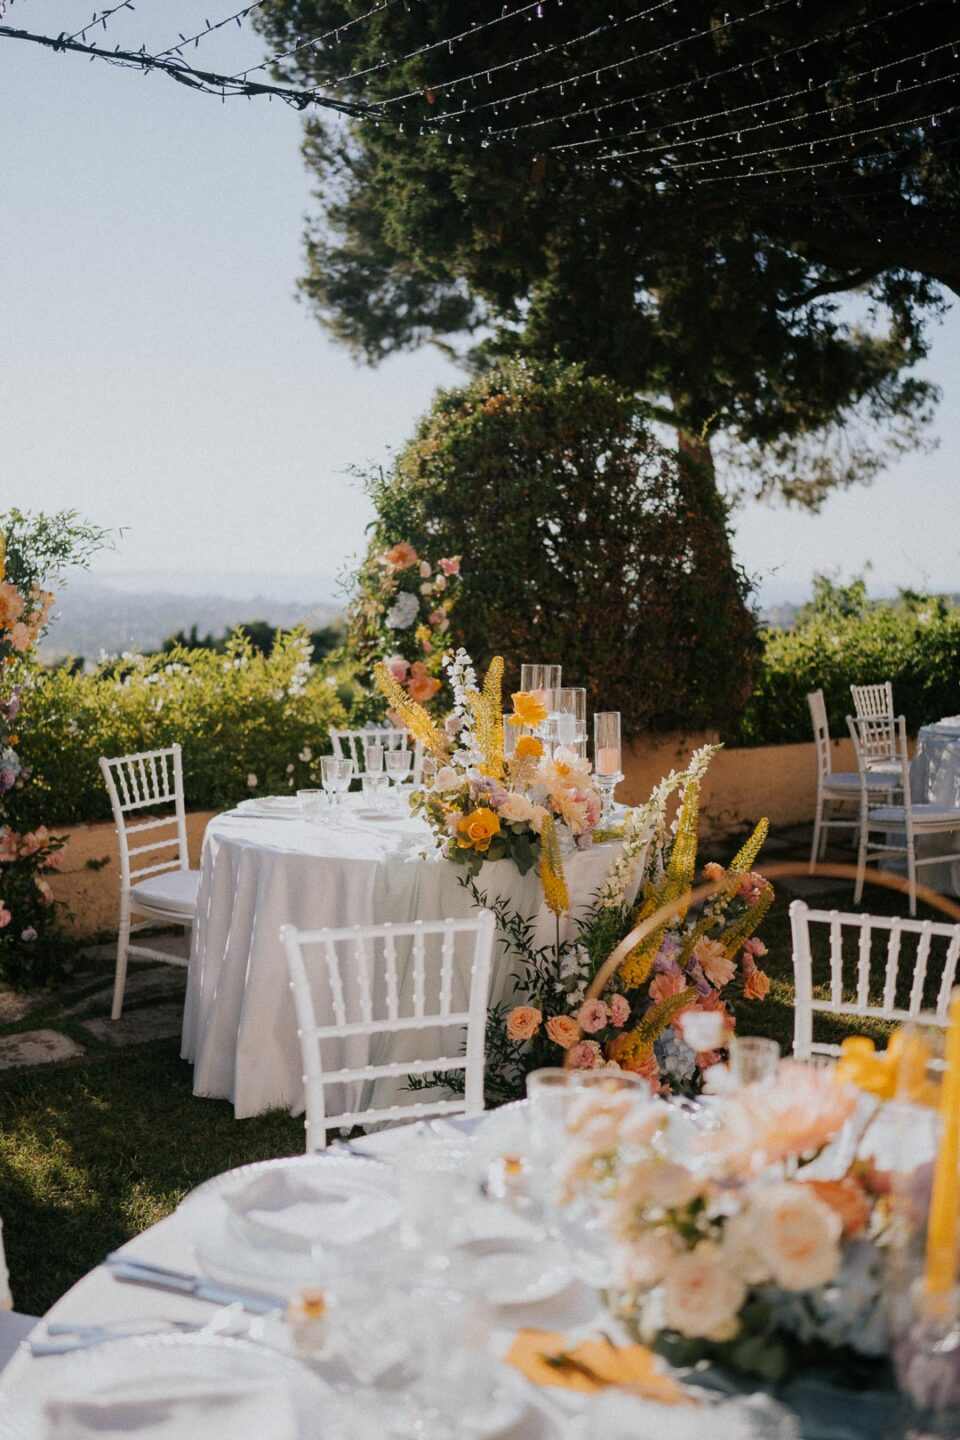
488	721
555	891
414	717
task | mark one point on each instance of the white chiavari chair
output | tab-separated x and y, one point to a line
835	787
155	879
393	981
348	744
913	820
868	972
873	704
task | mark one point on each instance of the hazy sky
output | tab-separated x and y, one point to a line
158	373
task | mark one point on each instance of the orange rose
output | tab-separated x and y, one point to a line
476	830
563	1031
421	686
401	556
845	1197
757	986
523	1022
529	748
528	710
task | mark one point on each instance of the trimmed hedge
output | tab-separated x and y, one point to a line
238	715
842	639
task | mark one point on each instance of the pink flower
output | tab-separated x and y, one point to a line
20	637
713	871
716	964
451	565
592	1016
751	887
663	986
436	617
28	934
585	1055
425	570
619	1010
756	948
5	916
398	667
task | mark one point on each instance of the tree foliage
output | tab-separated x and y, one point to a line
579	545
694	248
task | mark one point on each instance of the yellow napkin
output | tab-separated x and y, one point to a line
592	1365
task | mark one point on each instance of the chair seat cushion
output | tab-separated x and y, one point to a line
922	815
850	780
175	890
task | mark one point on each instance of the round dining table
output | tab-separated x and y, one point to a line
566	1314
935	780
263	866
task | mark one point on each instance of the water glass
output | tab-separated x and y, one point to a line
753	1060
343	777
373	757
398	766
373	790
312	804
330	775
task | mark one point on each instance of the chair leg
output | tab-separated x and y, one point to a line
861	861
817	824
824	833
123	941
912	875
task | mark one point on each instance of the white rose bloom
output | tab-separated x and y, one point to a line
796	1235
647	1260
446	778
516	809
403	611
702	1295
670	1185
741	1251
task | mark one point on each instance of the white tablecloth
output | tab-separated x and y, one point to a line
935	779
258	874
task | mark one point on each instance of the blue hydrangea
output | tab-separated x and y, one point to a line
852	1311
676	1061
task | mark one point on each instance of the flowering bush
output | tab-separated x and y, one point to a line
724	1249
248	723
679	971
401	615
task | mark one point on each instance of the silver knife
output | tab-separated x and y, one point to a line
138	1272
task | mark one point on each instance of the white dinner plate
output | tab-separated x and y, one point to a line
167	1385
516	1269
259	1224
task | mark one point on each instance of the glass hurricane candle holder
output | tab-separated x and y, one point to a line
539	679
607	757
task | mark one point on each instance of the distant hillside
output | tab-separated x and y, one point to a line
91	616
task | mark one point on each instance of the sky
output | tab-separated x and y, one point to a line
160	375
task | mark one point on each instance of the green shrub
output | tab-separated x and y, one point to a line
842	639
238	715
577	542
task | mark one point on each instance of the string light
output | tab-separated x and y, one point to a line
101	19
239	16
336	32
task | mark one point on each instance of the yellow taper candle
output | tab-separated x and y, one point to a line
941	1266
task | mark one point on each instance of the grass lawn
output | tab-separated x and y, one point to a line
93	1151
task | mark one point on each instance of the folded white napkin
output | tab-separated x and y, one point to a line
294	1211
175	1407
618	1416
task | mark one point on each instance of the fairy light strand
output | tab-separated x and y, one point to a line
101	19
187	40
316	40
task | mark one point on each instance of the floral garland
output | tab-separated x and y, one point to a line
404	609
27	906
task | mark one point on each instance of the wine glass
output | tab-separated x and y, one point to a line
373	757
330	775
343	777
398	767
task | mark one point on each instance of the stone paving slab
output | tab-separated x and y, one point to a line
36	1047
163	982
154	1022
14	1007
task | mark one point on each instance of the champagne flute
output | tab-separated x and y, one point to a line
398	767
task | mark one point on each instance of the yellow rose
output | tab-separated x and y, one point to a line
476	830
528	710
529	748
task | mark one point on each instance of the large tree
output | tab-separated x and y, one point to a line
680	195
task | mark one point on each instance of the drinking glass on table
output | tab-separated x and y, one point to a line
373	757
398	767
753	1059
344	776
373	790
330	776
312	804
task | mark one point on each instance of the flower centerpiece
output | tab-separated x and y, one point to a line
482	805
726	1250
691	963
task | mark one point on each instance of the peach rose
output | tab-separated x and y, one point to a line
592	1016
516	809
523	1022
714	962
563	1031
21	638
401	556
421	686
476	830
847	1198
702	1294
757	986
797	1235
619	1010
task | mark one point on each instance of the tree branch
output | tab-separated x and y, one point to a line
829	287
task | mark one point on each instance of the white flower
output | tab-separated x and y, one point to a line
252	781
516	809
447	778
537	816
647	1260
740	1249
305	754
702	1295
331	681
796	1235
403	611
290	769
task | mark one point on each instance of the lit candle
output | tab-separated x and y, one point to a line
941	1266
608	760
